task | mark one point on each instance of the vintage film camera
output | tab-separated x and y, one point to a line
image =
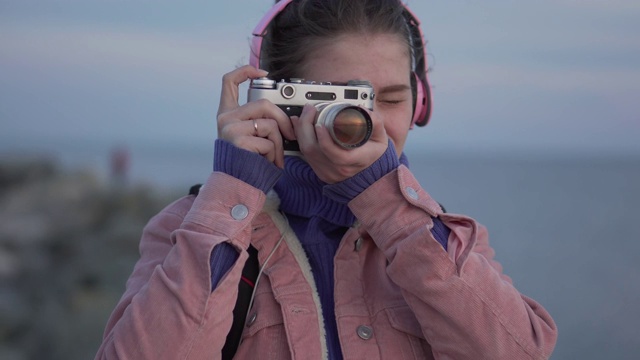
340	106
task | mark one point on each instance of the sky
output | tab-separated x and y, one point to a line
549	76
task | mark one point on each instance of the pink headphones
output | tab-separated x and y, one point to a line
423	103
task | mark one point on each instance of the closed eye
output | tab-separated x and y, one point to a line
394	94
391	102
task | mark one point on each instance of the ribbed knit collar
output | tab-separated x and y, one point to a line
300	193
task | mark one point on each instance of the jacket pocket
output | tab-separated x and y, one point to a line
264	335
264	313
404	321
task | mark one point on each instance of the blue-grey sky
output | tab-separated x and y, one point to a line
550	76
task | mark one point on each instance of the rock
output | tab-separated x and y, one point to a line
11	353
9	264
19	170
68	243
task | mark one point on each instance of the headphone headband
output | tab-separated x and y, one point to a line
261	30
423	103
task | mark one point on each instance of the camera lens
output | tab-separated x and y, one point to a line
350	126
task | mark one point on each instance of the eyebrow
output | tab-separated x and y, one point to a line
394	88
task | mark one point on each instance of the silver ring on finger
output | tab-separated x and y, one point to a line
255	127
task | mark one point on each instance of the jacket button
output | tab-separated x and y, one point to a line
364	332
358	244
411	192
239	212
252	319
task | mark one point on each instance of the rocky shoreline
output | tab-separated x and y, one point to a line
68	242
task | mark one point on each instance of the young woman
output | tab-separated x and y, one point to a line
358	261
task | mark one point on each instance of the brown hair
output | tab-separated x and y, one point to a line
306	24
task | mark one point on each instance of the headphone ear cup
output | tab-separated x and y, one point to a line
422	106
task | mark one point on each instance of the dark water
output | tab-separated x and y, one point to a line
566	231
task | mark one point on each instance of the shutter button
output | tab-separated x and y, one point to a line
239	212
364	332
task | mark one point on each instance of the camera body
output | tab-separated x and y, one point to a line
340	106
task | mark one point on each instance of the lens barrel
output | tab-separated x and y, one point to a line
350	126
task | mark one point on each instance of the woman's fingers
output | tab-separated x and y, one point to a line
230	82
257	126
264	147
269	129
305	129
331	162
259	135
259	109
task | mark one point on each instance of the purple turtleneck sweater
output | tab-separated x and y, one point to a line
317	212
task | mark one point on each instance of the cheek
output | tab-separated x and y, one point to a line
397	124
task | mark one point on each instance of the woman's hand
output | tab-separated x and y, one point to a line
329	161
257	126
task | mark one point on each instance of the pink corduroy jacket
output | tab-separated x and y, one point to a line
398	294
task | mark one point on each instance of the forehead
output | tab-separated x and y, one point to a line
382	59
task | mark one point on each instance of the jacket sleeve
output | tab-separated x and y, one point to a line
168	310
466	307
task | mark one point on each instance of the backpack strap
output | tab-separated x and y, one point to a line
195	189
245	291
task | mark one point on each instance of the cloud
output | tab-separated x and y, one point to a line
456	77
115	51
498	28
101	75
609	6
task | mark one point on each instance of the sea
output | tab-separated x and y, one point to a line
565	228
